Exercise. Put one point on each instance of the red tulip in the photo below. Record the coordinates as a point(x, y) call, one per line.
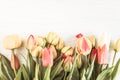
point(31, 42)
point(47, 57)
point(93, 53)
point(14, 62)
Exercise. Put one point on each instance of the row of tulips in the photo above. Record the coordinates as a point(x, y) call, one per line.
point(48, 58)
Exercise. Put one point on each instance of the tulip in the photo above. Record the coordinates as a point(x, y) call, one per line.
point(103, 47)
point(47, 57)
point(83, 45)
point(40, 41)
point(93, 53)
point(67, 50)
point(60, 44)
point(117, 46)
point(52, 38)
point(117, 49)
point(54, 52)
point(12, 41)
point(31, 43)
point(92, 39)
point(68, 63)
point(55, 40)
point(37, 51)
point(14, 62)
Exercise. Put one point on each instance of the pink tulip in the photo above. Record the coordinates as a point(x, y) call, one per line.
point(47, 57)
point(102, 55)
point(14, 62)
point(31, 42)
point(103, 47)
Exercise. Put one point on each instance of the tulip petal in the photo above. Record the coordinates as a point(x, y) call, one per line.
point(85, 46)
point(79, 35)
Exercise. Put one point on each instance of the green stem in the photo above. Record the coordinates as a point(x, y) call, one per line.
point(14, 62)
point(65, 75)
point(114, 58)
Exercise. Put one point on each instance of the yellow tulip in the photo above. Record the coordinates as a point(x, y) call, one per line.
point(67, 50)
point(12, 41)
point(117, 46)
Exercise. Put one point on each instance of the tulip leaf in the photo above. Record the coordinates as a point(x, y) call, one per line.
point(82, 74)
point(25, 73)
point(75, 75)
point(19, 74)
point(116, 71)
point(31, 65)
point(90, 69)
point(59, 76)
point(56, 70)
point(2, 75)
point(6, 62)
point(47, 73)
point(104, 74)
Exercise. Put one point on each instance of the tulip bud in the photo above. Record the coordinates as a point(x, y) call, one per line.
point(92, 39)
point(12, 41)
point(83, 46)
point(55, 40)
point(50, 37)
point(40, 41)
point(54, 52)
point(117, 46)
point(37, 51)
point(31, 42)
point(14, 62)
point(60, 44)
point(47, 57)
point(68, 63)
point(78, 61)
point(67, 50)
point(93, 53)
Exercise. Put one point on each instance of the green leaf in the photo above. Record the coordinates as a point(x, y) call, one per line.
point(59, 76)
point(47, 73)
point(56, 70)
point(30, 65)
point(75, 75)
point(19, 74)
point(82, 74)
point(104, 74)
point(2, 75)
point(25, 73)
point(90, 69)
point(116, 71)
point(6, 62)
